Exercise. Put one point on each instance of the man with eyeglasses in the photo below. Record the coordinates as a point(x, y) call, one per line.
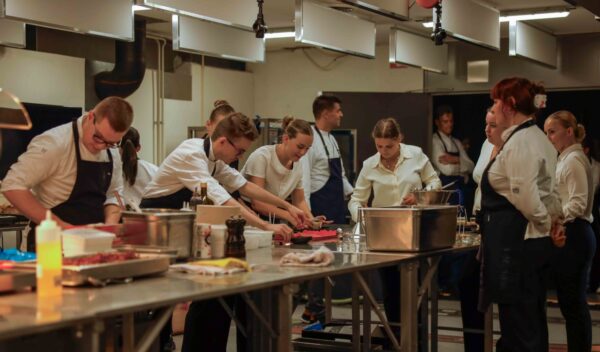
point(73, 169)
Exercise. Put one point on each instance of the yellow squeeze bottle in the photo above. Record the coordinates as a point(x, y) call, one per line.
point(49, 258)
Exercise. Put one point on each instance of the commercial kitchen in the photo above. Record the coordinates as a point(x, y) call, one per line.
point(299, 175)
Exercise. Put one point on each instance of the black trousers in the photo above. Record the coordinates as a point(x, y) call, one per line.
point(207, 326)
point(468, 289)
point(523, 324)
point(571, 269)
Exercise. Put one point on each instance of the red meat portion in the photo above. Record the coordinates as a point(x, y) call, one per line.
point(100, 258)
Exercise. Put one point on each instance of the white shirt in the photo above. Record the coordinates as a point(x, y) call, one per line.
point(524, 173)
point(412, 170)
point(484, 159)
point(49, 167)
point(574, 181)
point(279, 180)
point(188, 166)
point(595, 174)
point(145, 173)
point(316, 165)
point(465, 165)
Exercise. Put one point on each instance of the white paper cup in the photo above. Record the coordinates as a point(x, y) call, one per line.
point(218, 237)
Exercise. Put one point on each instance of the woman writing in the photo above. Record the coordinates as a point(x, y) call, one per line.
point(578, 244)
point(391, 174)
point(137, 173)
point(519, 203)
point(276, 169)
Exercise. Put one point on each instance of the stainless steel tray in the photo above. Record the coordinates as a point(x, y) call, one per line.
point(14, 280)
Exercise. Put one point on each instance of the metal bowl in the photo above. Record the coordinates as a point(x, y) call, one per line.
point(432, 197)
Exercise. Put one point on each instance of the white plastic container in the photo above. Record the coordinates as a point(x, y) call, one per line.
point(266, 237)
point(81, 241)
point(252, 241)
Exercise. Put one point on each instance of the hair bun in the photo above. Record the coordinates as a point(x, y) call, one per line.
point(220, 102)
point(287, 120)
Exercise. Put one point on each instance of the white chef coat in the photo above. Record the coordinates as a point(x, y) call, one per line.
point(145, 173)
point(279, 180)
point(525, 173)
point(574, 181)
point(412, 170)
point(316, 165)
point(465, 165)
point(49, 167)
point(188, 166)
point(484, 159)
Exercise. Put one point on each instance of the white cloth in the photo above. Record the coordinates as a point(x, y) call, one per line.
point(574, 181)
point(145, 173)
point(412, 170)
point(316, 165)
point(188, 166)
point(484, 159)
point(465, 165)
point(321, 257)
point(279, 180)
point(525, 173)
point(49, 167)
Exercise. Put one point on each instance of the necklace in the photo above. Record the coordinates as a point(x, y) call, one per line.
point(390, 163)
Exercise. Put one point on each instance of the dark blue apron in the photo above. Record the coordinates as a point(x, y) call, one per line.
point(175, 200)
point(457, 199)
point(329, 200)
point(502, 241)
point(85, 204)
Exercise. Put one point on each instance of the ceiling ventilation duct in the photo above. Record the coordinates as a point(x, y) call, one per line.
point(130, 66)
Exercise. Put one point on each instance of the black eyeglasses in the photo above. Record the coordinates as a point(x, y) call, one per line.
point(98, 138)
point(238, 151)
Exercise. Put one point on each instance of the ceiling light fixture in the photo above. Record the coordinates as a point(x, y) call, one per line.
point(527, 17)
point(140, 8)
point(278, 35)
point(259, 26)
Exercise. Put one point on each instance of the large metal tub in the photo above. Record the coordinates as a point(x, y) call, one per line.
point(409, 229)
point(161, 227)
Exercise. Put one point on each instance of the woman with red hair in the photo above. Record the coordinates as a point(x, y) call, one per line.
point(519, 205)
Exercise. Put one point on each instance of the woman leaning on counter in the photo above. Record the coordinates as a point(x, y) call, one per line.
point(572, 262)
point(137, 173)
point(391, 174)
point(276, 169)
point(519, 205)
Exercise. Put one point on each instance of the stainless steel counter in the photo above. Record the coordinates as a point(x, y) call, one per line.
point(22, 314)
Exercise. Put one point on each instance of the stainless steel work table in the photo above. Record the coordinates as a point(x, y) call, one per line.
point(87, 309)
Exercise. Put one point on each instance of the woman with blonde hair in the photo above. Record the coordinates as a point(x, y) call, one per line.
point(577, 243)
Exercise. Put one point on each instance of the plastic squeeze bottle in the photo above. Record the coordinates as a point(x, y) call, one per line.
point(49, 257)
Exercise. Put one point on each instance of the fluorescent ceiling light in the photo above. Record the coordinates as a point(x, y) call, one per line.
point(140, 8)
point(279, 35)
point(533, 16)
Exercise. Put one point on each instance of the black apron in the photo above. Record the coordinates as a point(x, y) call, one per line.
point(329, 200)
point(175, 200)
point(458, 180)
point(502, 243)
point(85, 204)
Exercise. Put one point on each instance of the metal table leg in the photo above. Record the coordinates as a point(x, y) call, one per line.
point(128, 331)
point(355, 317)
point(488, 327)
point(366, 322)
point(433, 294)
point(408, 301)
point(283, 342)
point(327, 293)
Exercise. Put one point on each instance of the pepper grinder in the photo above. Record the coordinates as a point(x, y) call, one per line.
point(236, 243)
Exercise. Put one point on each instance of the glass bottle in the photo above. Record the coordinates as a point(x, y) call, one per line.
point(204, 199)
point(195, 200)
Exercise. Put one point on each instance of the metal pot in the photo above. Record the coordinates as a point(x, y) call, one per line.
point(439, 197)
point(169, 228)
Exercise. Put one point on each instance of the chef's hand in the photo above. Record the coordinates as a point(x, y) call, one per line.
point(280, 230)
point(298, 215)
point(558, 235)
point(410, 199)
point(448, 159)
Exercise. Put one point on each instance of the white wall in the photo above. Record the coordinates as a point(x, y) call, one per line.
point(43, 78)
point(288, 81)
point(143, 104)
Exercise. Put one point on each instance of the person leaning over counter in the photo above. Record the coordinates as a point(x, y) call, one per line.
point(520, 207)
point(205, 160)
point(277, 169)
point(573, 259)
point(73, 170)
point(391, 174)
point(325, 182)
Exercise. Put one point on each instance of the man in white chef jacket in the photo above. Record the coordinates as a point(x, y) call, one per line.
point(74, 170)
point(324, 180)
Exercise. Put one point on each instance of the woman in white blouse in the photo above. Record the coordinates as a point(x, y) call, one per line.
point(519, 204)
point(137, 173)
point(489, 149)
point(577, 244)
point(276, 169)
point(391, 174)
